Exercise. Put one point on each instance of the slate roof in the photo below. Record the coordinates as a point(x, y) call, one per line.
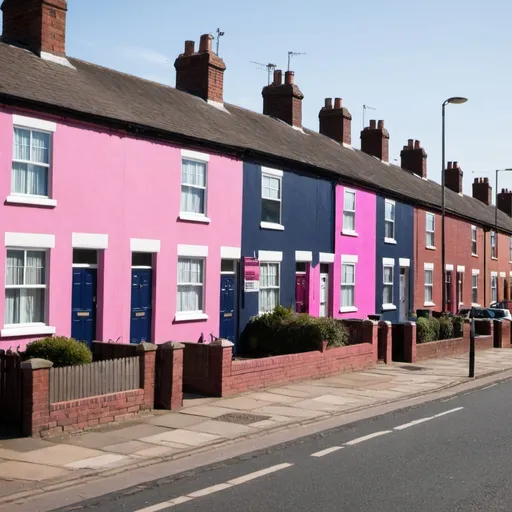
point(102, 95)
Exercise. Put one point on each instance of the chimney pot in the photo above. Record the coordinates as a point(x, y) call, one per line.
point(414, 158)
point(381, 125)
point(336, 123)
point(417, 144)
point(38, 25)
point(455, 164)
point(189, 47)
point(486, 180)
point(410, 143)
point(205, 45)
point(289, 77)
point(375, 141)
point(328, 103)
point(278, 77)
point(338, 103)
point(373, 124)
point(202, 73)
point(450, 164)
point(453, 177)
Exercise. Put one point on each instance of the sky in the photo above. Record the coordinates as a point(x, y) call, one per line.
point(402, 58)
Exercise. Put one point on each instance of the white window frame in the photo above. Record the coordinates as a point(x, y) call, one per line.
point(460, 286)
point(274, 174)
point(428, 232)
point(474, 241)
point(201, 158)
point(494, 287)
point(186, 316)
point(390, 240)
point(387, 306)
point(348, 308)
point(473, 288)
point(278, 287)
point(494, 254)
point(40, 126)
point(32, 328)
point(428, 286)
point(346, 230)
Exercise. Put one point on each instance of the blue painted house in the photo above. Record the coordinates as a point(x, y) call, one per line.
point(287, 224)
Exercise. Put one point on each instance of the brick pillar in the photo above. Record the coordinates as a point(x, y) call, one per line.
point(385, 342)
point(169, 376)
point(147, 358)
point(370, 334)
point(36, 396)
point(505, 334)
point(410, 342)
point(221, 357)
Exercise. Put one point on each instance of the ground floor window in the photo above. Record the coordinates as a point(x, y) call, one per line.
point(474, 288)
point(348, 283)
point(25, 287)
point(429, 286)
point(388, 278)
point(494, 288)
point(190, 285)
point(269, 286)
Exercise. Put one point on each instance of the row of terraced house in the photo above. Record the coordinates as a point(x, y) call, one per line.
point(137, 211)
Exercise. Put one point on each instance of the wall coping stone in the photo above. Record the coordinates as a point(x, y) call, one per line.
point(146, 347)
point(172, 345)
point(36, 364)
point(222, 343)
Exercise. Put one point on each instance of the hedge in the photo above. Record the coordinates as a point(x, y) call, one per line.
point(436, 329)
point(61, 351)
point(284, 332)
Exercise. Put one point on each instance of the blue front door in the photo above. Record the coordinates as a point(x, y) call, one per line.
point(140, 325)
point(227, 308)
point(83, 318)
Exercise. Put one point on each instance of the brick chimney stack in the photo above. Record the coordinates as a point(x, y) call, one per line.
point(414, 158)
point(482, 190)
point(38, 25)
point(336, 123)
point(375, 140)
point(283, 101)
point(453, 177)
point(505, 201)
point(201, 73)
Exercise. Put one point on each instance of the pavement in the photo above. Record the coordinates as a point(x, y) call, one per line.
point(29, 467)
point(445, 456)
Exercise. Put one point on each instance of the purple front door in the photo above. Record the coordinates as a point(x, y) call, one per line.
point(301, 293)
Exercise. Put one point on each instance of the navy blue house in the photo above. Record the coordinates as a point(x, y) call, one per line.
point(394, 273)
point(288, 224)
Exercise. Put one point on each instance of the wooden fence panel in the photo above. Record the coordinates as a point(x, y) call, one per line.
point(11, 388)
point(100, 378)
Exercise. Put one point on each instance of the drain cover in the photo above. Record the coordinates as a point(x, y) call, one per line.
point(241, 418)
point(413, 368)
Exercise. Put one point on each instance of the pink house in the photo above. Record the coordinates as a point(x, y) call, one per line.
point(355, 253)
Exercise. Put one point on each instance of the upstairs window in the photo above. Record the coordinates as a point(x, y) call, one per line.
point(430, 230)
point(271, 198)
point(31, 162)
point(349, 211)
point(473, 241)
point(493, 244)
point(389, 220)
point(193, 187)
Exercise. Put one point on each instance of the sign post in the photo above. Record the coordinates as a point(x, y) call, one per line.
point(472, 344)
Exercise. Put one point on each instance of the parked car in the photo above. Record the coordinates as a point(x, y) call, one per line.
point(504, 304)
point(478, 312)
point(502, 313)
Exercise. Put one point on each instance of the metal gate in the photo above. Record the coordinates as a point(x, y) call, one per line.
point(10, 389)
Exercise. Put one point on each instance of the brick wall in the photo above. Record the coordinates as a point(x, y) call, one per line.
point(40, 417)
point(210, 369)
point(458, 254)
point(501, 265)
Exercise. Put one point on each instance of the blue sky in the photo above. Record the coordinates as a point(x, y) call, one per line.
point(401, 59)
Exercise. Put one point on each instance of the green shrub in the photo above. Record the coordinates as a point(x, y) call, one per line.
point(423, 330)
point(435, 326)
point(61, 351)
point(284, 332)
point(458, 326)
point(445, 328)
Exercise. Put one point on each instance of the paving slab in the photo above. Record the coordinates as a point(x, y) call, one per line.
point(312, 405)
point(208, 411)
point(157, 451)
point(222, 428)
point(107, 460)
point(297, 393)
point(292, 412)
point(336, 400)
point(14, 470)
point(244, 403)
point(60, 455)
point(173, 420)
point(182, 437)
point(270, 397)
point(24, 444)
point(127, 447)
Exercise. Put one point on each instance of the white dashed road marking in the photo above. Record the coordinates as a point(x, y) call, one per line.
point(215, 488)
point(327, 451)
point(448, 412)
point(366, 438)
point(413, 423)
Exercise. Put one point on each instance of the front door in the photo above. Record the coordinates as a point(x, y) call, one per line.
point(83, 316)
point(140, 324)
point(227, 324)
point(324, 294)
point(301, 293)
point(404, 294)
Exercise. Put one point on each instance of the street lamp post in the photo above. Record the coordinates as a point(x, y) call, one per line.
point(456, 100)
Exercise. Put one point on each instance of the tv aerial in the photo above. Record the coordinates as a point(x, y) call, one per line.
point(365, 108)
point(269, 67)
point(291, 55)
point(219, 34)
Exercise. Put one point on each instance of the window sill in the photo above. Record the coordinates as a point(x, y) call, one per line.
point(388, 307)
point(190, 317)
point(192, 217)
point(474, 255)
point(474, 305)
point(348, 232)
point(348, 309)
point(31, 201)
point(428, 304)
point(494, 258)
point(271, 225)
point(26, 330)
point(390, 241)
point(430, 247)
